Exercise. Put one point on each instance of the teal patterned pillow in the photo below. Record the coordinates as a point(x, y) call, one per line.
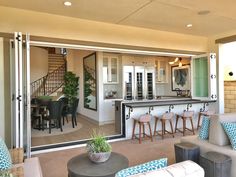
point(146, 167)
point(204, 131)
point(5, 158)
point(230, 130)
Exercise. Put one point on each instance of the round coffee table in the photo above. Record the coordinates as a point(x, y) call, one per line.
point(81, 166)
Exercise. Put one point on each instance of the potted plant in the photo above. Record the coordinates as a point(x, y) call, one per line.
point(71, 86)
point(6, 173)
point(99, 150)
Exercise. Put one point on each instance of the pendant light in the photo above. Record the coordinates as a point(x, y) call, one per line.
point(173, 62)
point(180, 63)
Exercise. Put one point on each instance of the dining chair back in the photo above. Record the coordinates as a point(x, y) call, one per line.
point(73, 112)
point(55, 110)
point(65, 109)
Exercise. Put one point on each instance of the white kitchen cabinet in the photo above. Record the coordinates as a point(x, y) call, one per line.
point(108, 112)
point(161, 71)
point(110, 68)
point(135, 60)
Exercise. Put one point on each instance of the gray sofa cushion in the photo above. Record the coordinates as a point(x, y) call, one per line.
point(217, 134)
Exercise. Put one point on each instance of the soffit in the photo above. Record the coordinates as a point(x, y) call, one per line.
point(167, 15)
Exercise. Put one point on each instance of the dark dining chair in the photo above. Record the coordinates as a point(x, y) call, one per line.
point(54, 117)
point(65, 109)
point(73, 111)
point(36, 116)
point(70, 109)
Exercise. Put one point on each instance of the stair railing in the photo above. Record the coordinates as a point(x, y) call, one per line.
point(50, 83)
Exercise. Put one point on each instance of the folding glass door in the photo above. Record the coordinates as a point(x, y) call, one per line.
point(203, 71)
point(20, 91)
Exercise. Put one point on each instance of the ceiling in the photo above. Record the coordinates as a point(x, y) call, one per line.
point(166, 15)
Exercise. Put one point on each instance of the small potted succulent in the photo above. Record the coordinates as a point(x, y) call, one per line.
point(6, 173)
point(99, 150)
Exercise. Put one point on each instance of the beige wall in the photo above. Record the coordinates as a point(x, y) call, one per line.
point(2, 115)
point(70, 60)
point(78, 29)
point(38, 63)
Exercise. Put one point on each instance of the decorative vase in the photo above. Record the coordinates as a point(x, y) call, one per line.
point(99, 157)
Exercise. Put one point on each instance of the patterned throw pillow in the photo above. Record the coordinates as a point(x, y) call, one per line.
point(146, 167)
point(230, 130)
point(5, 158)
point(204, 131)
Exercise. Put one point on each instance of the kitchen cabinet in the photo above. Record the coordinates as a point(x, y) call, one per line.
point(134, 60)
point(110, 68)
point(108, 111)
point(161, 71)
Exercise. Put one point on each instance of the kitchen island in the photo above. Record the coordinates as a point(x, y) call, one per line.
point(125, 110)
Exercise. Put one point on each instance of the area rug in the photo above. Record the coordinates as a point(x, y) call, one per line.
point(67, 128)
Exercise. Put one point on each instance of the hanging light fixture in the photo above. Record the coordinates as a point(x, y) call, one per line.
point(173, 62)
point(180, 63)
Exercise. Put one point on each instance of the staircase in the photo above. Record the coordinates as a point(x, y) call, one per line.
point(54, 80)
point(55, 61)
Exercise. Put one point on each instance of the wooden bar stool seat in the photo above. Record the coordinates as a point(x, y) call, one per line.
point(187, 115)
point(205, 113)
point(165, 117)
point(142, 120)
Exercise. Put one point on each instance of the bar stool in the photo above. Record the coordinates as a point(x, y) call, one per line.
point(142, 120)
point(165, 117)
point(187, 115)
point(204, 113)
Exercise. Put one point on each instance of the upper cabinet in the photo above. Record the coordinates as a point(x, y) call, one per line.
point(135, 60)
point(110, 68)
point(161, 70)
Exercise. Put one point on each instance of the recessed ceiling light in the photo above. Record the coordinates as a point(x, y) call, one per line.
point(189, 25)
point(203, 12)
point(67, 3)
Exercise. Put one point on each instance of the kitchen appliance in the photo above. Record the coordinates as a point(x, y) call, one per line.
point(138, 82)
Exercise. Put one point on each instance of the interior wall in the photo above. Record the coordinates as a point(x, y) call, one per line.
point(70, 60)
point(78, 69)
point(2, 117)
point(79, 29)
point(38, 63)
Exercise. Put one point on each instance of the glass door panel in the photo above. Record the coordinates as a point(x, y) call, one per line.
point(149, 85)
point(114, 72)
point(20, 84)
point(200, 77)
point(203, 70)
point(105, 70)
